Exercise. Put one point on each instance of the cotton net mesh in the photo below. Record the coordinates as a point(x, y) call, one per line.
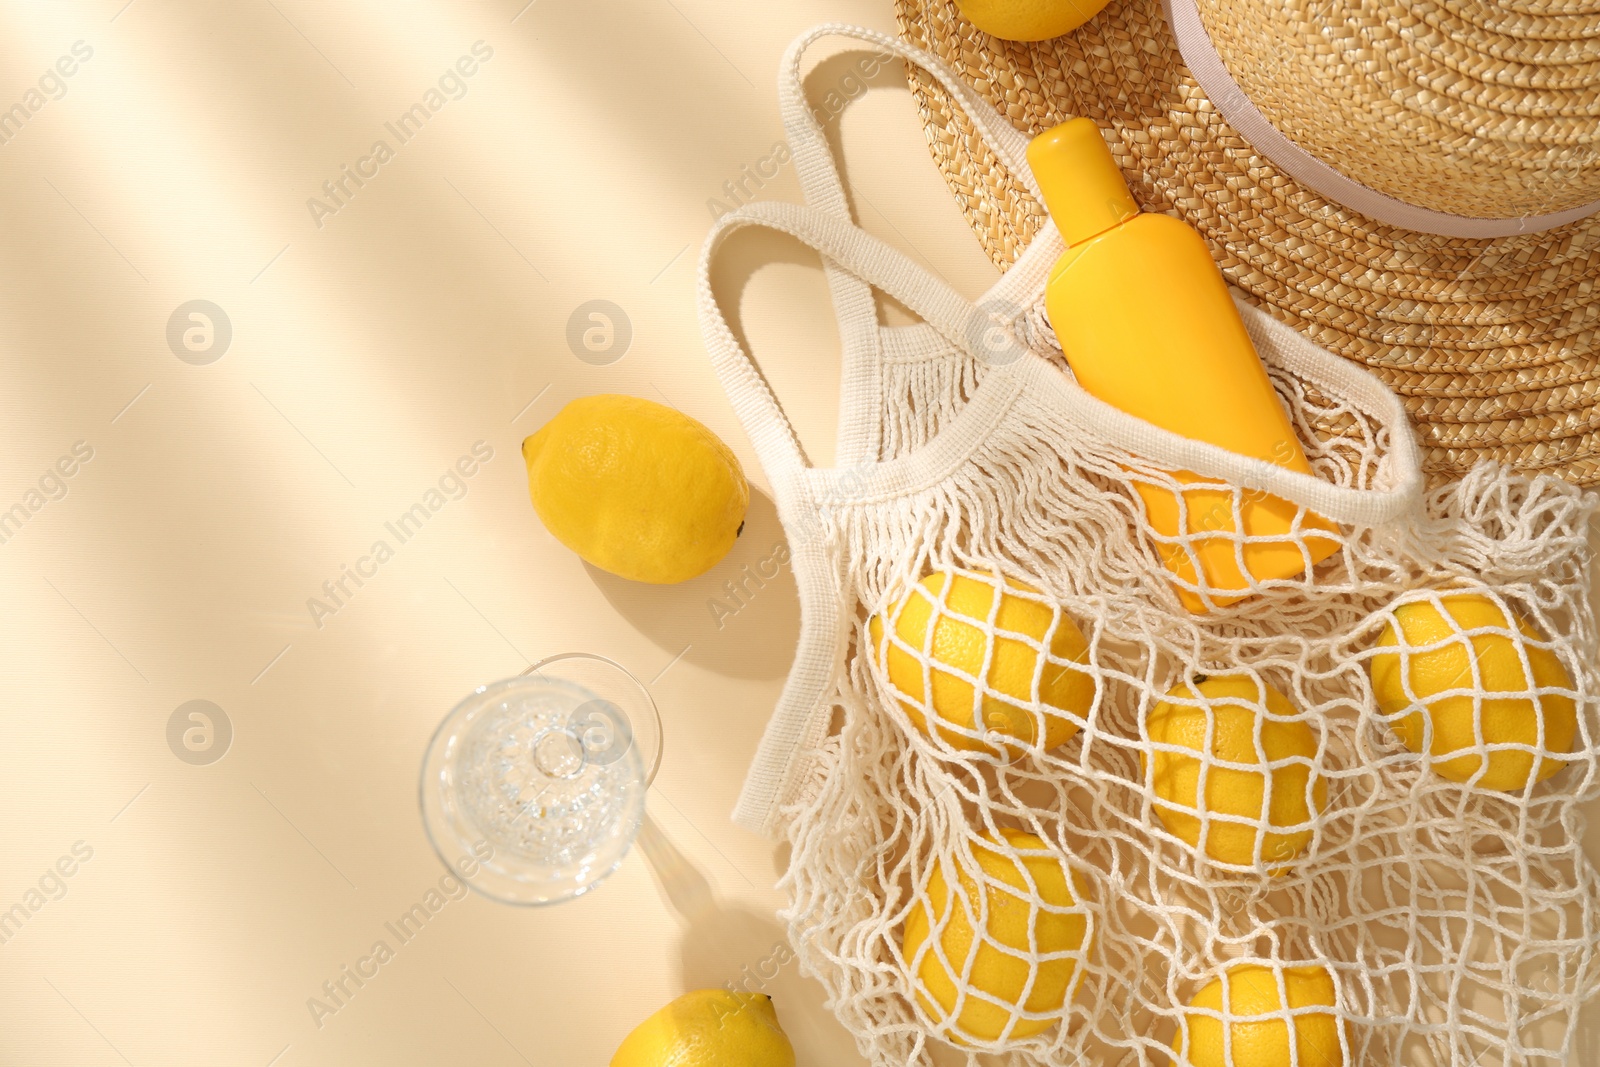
point(1327, 894)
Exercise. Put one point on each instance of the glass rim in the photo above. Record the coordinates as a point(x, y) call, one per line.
point(649, 702)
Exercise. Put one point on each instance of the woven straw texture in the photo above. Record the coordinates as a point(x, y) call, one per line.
point(1492, 343)
point(1506, 102)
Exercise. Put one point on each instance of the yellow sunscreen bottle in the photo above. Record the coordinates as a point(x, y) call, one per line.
point(1144, 317)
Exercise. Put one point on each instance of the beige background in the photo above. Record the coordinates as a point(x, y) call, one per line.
point(367, 354)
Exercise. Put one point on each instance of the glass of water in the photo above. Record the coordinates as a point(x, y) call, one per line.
point(539, 781)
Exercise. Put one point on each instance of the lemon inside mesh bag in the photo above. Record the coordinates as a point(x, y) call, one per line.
point(1472, 688)
point(1231, 766)
point(990, 660)
point(993, 954)
point(1239, 1019)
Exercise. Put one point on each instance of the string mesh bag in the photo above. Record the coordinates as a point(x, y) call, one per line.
point(1054, 799)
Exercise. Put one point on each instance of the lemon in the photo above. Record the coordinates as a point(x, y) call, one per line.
point(636, 488)
point(1232, 706)
point(1511, 719)
point(1263, 1042)
point(999, 963)
point(709, 1028)
point(1029, 20)
point(961, 645)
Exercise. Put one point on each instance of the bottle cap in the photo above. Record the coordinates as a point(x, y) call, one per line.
point(1083, 189)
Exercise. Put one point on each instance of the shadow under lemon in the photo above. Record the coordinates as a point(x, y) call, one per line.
point(728, 947)
point(740, 619)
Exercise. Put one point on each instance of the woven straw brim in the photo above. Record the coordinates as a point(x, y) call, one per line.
point(1491, 343)
point(1469, 109)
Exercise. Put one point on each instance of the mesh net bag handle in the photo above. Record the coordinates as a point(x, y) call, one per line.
point(1397, 484)
point(822, 185)
point(819, 177)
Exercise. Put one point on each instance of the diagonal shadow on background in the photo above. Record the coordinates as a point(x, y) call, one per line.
point(729, 947)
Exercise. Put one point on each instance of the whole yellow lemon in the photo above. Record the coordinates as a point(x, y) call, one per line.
point(999, 963)
point(958, 604)
point(1029, 20)
point(709, 1028)
point(1264, 1041)
point(1231, 707)
point(1513, 718)
point(636, 488)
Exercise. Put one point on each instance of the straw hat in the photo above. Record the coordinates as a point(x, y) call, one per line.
point(1412, 184)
